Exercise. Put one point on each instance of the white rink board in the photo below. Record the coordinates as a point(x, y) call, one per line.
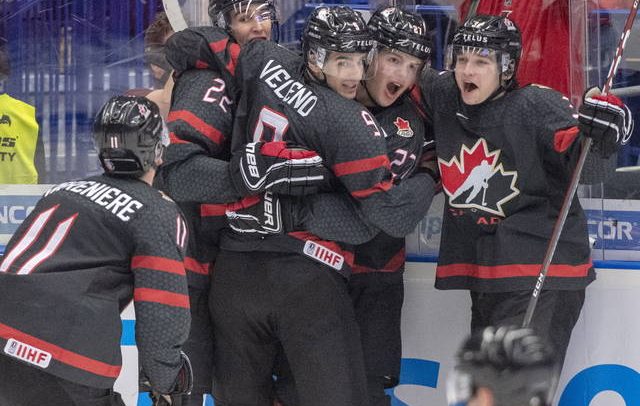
point(602, 362)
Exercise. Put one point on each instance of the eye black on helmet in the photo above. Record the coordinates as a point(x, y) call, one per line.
point(130, 135)
point(397, 29)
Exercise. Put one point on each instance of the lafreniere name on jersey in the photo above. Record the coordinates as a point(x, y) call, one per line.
point(27, 353)
point(107, 196)
point(290, 91)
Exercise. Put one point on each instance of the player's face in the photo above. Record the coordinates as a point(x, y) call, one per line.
point(343, 72)
point(254, 22)
point(477, 76)
point(394, 73)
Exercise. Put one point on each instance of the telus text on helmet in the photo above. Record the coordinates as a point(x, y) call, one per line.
point(288, 90)
point(475, 38)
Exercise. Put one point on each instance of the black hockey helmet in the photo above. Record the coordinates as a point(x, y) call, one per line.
point(397, 29)
point(513, 362)
point(484, 33)
point(336, 29)
point(221, 12)
point(130, 135)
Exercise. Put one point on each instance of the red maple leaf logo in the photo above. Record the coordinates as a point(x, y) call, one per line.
point(402, 124)
point(455, 172)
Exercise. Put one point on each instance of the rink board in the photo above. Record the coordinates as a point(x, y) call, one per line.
point(603, 361)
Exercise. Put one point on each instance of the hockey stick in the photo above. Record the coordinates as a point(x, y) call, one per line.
point(573, 185)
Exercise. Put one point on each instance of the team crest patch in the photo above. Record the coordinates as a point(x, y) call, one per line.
point(27, 353)
point(323, 254)
point(477, 179)
point(404, 127)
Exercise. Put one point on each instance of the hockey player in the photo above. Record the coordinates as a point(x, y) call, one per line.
point(196, 170)
point(263, 282)
point(495, 232)
point(88, 248)
point(503, 366)
point(376, 285)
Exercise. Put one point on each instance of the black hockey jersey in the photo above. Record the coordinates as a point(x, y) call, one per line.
point(405, 139)
point(88, 248)
point(195, 172)
point(505, 166)
point(277, 103)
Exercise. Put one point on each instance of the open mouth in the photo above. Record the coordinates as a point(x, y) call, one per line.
point(469, 87)
point(393, 88)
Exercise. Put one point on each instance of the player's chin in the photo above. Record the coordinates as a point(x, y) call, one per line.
point(348, 90)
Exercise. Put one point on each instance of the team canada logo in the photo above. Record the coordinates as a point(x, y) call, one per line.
point(404, 127)
point(478, 180)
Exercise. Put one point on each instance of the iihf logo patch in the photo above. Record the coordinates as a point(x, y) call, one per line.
point(323, 254)
point(27, 353)
point(478, 180)
point(404, 127)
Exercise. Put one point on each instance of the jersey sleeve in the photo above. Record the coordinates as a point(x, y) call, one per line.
point(358, 158)
point(161, 299)
point(560, 137)
point(200, 121)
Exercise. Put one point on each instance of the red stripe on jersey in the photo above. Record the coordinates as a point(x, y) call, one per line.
point(158, 264)
point(361, 165)
point(511, 271)
point(380, 187)
point(305, 235)
point(213, 210)
point(416, 98)
point(196, 267)
point(245, 202)
point(61, 355)
point(218, 46)
point(201, 64)
point(563, 139)
point(161, 296)
point(173, 139)
point(197, 123)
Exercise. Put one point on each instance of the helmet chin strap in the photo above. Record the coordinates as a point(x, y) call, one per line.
point(366, 89)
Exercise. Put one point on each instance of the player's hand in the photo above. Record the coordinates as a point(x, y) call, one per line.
point(182, 386)
point(606, 120)
point(257, 215)
point(279, 168)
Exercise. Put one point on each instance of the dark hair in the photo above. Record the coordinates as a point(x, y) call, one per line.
point(158, 30)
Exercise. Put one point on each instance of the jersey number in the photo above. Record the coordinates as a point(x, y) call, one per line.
point(271, 126)
point(31, 235)
point(217, 88)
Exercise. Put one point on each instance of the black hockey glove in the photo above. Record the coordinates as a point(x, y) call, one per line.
point(261, 215)
point(606, 120)
point(279, 168)
point(429, 164)
point(182, 386)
